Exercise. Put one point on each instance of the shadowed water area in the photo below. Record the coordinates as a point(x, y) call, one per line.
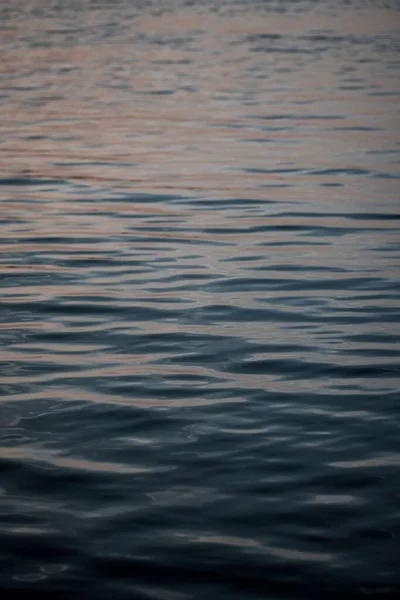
point(199, 299)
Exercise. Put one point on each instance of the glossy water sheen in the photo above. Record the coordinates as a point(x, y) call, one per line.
point(199, 311)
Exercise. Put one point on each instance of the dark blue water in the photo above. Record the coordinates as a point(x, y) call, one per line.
point(199, 305)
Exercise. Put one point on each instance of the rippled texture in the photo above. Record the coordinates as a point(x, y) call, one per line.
point(199, 310)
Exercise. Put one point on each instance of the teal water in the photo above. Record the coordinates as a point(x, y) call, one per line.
point(199, 304)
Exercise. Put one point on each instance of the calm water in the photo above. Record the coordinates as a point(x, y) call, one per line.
point(199, 310)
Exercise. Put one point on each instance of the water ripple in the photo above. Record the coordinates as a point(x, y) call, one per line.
point(199, 266)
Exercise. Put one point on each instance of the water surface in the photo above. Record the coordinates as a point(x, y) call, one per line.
point(199, 309)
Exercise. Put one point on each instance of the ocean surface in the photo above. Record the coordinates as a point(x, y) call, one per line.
point(200, 299)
